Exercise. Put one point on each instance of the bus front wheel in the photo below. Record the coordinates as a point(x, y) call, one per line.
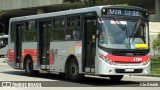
point(115, 78)
point(73, 70)
point(29, 67)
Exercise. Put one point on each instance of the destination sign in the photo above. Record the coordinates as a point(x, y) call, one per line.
point(123, 12)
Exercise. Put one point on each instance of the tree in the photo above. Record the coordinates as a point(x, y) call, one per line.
point(156, 43)
point(72, 1)
point(1, 19)
point(96, 2)
point(87, 2)
point(92, 2)
point(1, 13)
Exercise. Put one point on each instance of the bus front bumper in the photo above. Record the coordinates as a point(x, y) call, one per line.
point(103, 68)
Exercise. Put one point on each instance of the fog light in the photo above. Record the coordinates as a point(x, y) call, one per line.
point(110, 71)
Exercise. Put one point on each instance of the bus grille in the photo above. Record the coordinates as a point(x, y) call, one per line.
point(128, 63)
point(123, 71)
point(128, 53)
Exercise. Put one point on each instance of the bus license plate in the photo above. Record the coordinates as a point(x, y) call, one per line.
point(129, 70)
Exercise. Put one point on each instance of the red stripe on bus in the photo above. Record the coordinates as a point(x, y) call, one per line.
point(51, 57)
point(11, 55)
point(128, 58)
point(32, 52)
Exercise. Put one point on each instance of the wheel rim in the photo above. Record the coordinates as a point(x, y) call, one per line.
point(74, 70)
point(30, 66)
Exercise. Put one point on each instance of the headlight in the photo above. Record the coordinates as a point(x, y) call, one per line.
point(146, 62)
point(106, 59)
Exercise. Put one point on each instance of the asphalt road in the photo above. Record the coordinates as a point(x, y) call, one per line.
point(89, 82)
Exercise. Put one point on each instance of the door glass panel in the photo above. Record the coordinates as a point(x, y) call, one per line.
point(18, 43)
point(46, 35)
point(90, 41)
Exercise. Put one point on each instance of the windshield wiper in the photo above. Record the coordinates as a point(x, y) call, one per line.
point(123, 28)
point(119, 24)
point(135, 30)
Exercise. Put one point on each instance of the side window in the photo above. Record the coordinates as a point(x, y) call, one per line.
point(73, 31)
point(12, 32)
point(58, 32)
point(30, 33)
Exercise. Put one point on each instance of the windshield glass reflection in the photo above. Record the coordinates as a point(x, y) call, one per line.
point(119, 34)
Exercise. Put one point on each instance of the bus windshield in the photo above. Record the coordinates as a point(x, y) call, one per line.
point(121, 34)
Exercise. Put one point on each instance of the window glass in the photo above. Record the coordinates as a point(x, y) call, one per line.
point(12, 33)
point(73, 21)
point(59, 22)
point(58, 33)
point(66, 28)
point(73, 28)
point(30, 33)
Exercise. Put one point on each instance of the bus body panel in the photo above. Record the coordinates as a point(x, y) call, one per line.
point(11, 54)
point(28, 48)
point(61, 51)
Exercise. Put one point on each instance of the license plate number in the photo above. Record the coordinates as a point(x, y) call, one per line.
point(129, 70)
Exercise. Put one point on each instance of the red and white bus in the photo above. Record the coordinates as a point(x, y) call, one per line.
point(103, 40)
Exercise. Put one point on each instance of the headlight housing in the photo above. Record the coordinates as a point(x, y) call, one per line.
point(106, 59)
point(146, 62)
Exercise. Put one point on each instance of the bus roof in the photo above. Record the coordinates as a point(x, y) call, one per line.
point(73, 11)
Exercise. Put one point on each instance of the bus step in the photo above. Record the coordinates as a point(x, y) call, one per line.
point(43, 71)
point(88, 69)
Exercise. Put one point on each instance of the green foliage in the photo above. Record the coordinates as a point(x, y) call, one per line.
point(87, 2)
point(155, 63)
point(95, 2)
point(156, 43)
point(1, 13)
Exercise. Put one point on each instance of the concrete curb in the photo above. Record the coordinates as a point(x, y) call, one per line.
point(152, 75)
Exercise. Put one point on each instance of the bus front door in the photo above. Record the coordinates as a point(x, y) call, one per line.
point(18, 44)
point(90, 43)
point(44, 44)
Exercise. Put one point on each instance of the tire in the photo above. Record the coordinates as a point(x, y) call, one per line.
point(115, 78)
point(73, 71)
point(29, 67)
